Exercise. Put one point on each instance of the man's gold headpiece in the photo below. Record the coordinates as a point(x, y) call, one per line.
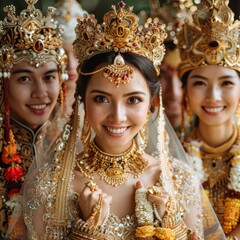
point(212, 39)
point(119, 32)
point(30, 37)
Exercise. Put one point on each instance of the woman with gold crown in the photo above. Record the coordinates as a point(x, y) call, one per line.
point(210, 72)
point(103, 185)
point(32, 69)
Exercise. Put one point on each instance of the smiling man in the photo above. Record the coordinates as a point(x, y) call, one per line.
point(32, 70)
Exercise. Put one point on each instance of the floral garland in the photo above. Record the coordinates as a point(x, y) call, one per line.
point(145, 212)
point(12, 159)
point(158, 232)
point(232, 205)
point(232, 202)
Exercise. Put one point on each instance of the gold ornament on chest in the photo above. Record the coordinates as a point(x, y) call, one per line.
point(217, 166)
point(113, 169)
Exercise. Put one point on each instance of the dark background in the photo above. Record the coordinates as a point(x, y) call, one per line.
point(99, 7)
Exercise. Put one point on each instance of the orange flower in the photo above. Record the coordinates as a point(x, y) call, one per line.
point(16, 158)
point(145, 231)
point(164, 233)
point(156, 101)
point(13, 173)
point(10, 155)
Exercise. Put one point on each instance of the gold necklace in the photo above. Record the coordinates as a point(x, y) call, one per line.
point(113, 169)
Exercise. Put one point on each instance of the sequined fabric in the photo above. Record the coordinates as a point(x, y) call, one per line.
point(124, 228)
point(26, 142)
point(216, 164)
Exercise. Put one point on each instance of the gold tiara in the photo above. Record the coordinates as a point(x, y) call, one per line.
point(119, 32)
point(211, 39)
point(30, 37)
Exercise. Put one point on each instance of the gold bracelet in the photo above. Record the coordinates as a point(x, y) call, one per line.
point(82, 229)
point(143, 208)
point(94, 219)
point(156, 214)
point(172, 215)
point(107, 217)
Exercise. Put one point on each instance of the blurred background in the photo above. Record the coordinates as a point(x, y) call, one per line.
point(99, 7)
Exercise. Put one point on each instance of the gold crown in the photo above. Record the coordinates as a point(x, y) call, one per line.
point(173, 13)
point(212, 39)
point(119, 32)
point(30, 37)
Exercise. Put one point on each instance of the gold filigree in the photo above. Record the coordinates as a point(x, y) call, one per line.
point(119, 32)
point(113, 169)
point(118, 72)
point(211, 39)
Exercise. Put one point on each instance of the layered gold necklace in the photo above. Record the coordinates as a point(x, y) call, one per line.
point(113, 169)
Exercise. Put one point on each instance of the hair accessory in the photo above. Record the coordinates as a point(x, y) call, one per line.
point(119, 32)
point(118, 72)
point(30, 37)
point(211, 39)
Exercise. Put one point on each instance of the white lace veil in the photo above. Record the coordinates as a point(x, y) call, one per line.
point(39, 183)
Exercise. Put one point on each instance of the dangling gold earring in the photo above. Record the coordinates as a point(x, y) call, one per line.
point(62, 94)
point(189, 110)
point(186, 108)
point(86, 132)
point(141, 138)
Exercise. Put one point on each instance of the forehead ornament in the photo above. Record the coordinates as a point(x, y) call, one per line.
point(120, 33)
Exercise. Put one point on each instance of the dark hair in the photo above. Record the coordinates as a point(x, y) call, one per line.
point(170, 45)
point(184, 78)
point(144, 65)
point(186, 74)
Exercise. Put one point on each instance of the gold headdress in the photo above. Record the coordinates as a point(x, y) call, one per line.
point(67, 13)
point(173, 13)
point(119, 32)
point(30, 37)
point(212, 38)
